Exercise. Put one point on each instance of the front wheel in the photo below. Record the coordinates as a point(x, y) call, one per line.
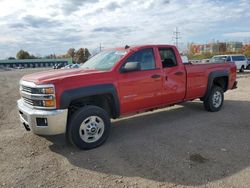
point(88, 127)
point(214, 101)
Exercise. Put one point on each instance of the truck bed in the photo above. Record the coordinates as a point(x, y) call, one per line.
point(198, 74)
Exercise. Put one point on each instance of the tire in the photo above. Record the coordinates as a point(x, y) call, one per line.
point(242, 69)
point(88, 127)
point(214, 101)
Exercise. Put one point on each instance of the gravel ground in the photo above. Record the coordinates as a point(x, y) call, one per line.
point(180, 146)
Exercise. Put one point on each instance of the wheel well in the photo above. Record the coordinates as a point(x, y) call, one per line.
point(105, 101)
point(221, 82)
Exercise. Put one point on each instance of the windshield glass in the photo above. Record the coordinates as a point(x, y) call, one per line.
point(103, 60)
point(219, 59)
point(239, 58)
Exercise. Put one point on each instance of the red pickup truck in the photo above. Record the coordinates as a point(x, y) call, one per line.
point(114, 83)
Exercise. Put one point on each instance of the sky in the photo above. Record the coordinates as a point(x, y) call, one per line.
point(43, 27)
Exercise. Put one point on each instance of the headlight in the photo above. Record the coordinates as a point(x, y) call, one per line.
point(46, 90)
point(49, 90)
point(38, 96)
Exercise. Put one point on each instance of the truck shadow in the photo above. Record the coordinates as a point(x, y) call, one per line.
point(183, 145)
point(245, 73)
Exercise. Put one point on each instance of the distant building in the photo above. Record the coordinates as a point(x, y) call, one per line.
point(246, 49)
point(234, 47)
point(216, 48)
point(32, 63)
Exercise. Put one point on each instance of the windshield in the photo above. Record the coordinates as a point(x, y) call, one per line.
point(239, 58)
point(218, 59)
point(103, 60)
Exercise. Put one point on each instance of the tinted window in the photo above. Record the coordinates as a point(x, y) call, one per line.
point(145, 57)
point(168, 58)
point(228, 58)
point(239, 58)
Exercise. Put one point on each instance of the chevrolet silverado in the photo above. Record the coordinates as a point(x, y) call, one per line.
point(115, 83)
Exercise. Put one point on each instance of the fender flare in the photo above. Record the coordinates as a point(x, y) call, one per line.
point(72, 94)
point(211, 77)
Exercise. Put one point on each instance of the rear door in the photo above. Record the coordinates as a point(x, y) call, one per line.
point(142, 89)
point(174, 82)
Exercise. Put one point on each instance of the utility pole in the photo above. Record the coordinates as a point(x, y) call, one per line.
point(176, 36)
point(100, 47)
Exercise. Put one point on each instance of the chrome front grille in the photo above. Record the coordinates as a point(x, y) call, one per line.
point(28, 101)
point(32, 96)
point(26, 92)
point(26, 89)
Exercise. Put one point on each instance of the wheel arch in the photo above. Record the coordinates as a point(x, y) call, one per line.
point(104, 95)
point(218, 78)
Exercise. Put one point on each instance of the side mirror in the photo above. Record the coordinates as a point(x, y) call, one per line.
point(131, 66)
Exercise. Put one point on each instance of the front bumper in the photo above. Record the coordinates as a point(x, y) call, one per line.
point(43, 122)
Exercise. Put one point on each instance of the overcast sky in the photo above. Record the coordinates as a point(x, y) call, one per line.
point(43, 27)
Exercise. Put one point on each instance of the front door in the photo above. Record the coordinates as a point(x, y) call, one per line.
point(141, 89)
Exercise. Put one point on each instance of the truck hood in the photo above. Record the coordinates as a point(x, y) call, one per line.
point(57, 75)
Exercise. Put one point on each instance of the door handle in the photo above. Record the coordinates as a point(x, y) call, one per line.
point(155, 76)
point(179, 73)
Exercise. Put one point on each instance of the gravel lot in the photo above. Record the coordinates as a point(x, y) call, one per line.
point(179, 146)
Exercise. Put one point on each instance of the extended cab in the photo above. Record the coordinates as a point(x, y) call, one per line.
point(115, 83)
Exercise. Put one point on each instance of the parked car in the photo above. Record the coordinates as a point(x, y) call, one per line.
point(248, 62)
point(116, 83)
point(71, 66)
point(239, 60)
point(195, 61)
point(184, 59)
point(205, 60)
point(66, 67)
point(58, 66)
point(20, 67)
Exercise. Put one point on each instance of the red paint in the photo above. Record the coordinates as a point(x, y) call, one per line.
point(137, 90)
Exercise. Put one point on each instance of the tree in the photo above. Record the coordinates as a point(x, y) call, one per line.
point(86, 54)
point(23, 55)
point(71, 53)
point(50, 56)
point(33, 57)
point(246, 50)
point(80, 56)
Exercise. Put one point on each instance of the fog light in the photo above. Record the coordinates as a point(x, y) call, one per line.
point(41, 122)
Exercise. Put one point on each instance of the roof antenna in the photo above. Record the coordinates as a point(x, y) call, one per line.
point(126, 47)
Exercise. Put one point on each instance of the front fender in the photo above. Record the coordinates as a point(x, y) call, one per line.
point(70, 95)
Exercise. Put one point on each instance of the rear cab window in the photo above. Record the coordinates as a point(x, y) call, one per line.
point(168, 58)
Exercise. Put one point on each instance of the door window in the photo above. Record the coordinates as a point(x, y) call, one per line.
point(145, 57)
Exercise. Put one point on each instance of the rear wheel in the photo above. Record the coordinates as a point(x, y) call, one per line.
point(241, 69)
point(214, 101)
point(88, 127)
